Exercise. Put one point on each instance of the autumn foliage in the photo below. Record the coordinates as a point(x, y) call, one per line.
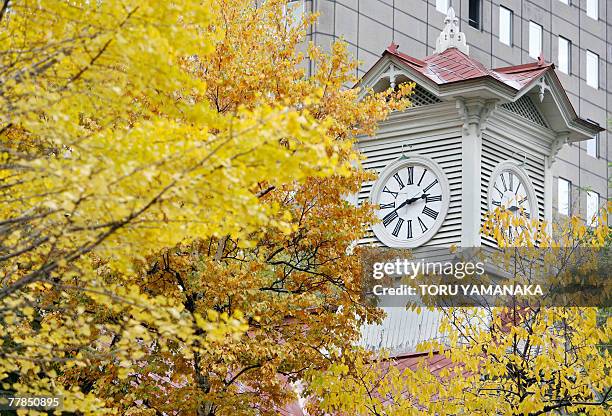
point(173, 215)
point(175, 236)
point(523, 358)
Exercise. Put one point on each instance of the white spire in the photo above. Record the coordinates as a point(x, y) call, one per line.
point(450, 36)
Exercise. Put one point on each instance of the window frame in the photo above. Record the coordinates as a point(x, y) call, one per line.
point(568, 203)
point(440, 3)
point(510, 25)
point(477, 24)
point(592, 219)
point(595, 141)
point(592, 9)
point(594, 83)
point(533, 24)
point(568, 55)
point(296, 9)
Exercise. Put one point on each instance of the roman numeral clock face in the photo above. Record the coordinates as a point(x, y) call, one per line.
point(510, 189)
point(511, 192)
point(412, 195)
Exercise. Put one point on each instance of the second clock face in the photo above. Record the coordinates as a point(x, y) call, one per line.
point(511, 192)
point(412, 198)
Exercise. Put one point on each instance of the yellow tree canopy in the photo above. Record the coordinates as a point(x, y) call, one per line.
point(173, 223)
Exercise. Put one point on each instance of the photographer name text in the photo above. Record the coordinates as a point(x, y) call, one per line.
point(456, 289)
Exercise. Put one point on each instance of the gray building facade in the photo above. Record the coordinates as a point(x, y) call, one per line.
point(573, 34)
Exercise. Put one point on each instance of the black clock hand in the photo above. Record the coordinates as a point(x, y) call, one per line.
point(406, 202)
point(416, 198)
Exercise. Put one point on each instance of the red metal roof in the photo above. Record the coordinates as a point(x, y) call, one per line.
point(452, 65)
point(435, 362)
point(291, 409)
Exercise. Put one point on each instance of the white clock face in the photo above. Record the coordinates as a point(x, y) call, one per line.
point(512, 192)
point(413, 198)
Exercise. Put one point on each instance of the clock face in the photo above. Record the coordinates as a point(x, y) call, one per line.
point(511, 190)
point(412, 195)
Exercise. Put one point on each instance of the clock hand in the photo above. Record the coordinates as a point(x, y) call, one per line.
point(407, 202)
point(416, 198)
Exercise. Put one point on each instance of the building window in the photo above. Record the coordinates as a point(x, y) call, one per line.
point(294, 11)
point(442, 6)
point(535, 40)
point(565, 48)
point(592, 147)
point(475, 11)
point(505, 25)
point(564, 189)
point(592, 9)
point(592, 69)
point(592, 208)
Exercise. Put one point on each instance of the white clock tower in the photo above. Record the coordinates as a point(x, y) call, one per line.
point(475, 138)
point(480, 137)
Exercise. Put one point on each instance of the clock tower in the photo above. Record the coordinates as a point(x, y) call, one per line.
point(473, 139)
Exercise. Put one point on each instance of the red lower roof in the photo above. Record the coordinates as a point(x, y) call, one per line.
point(435, 363)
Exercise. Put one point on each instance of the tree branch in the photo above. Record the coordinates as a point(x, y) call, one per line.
point(4, 8)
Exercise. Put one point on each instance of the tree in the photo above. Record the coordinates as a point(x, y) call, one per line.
point(517, 359)
point(174, 225)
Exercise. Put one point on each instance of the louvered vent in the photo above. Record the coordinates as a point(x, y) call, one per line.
point(402, 330)
point(423, 97)
point(525, 108)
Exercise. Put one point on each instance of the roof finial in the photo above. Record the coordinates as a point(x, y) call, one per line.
point(541, 59)
point(393, 47)
point(450, 36)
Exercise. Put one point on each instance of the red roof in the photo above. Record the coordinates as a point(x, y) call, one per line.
point(291, 409)
point(452, 65)
point(435, 363)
